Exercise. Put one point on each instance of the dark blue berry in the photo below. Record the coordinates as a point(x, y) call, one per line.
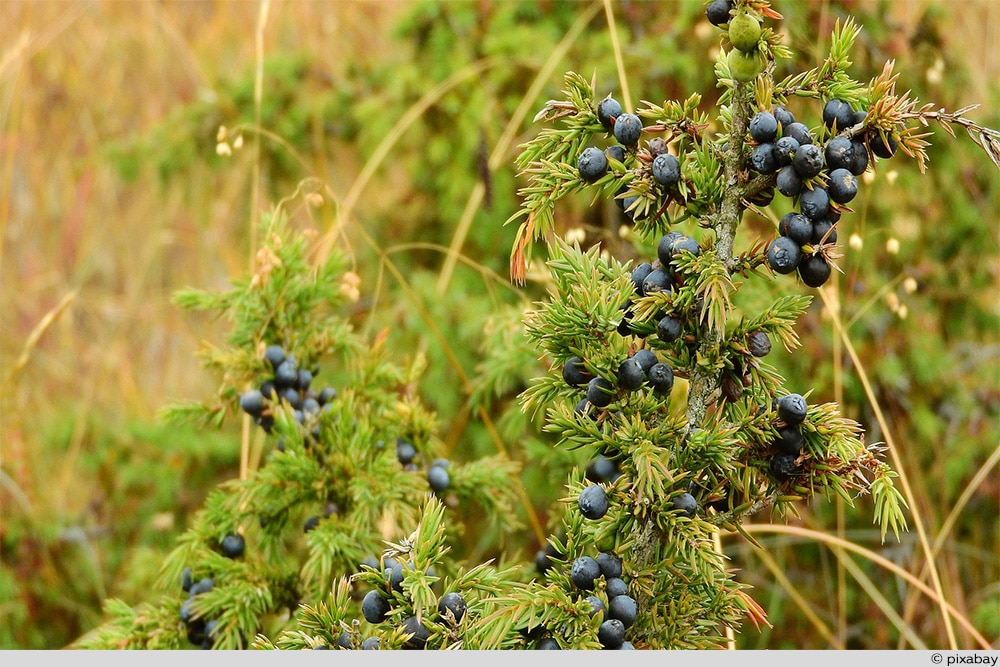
point(815, 202)
point(438, 478)
point(717, 11)
point(792, 408)
point(310, 523)
point(808, 160)
point(814, 270)
point(796, 226)
point(616, 152)
point(610, 564)
point(233, 546)
point(252, 402)
point(584, 572)
point(608, 109)
point(630, 376)
point(186, 580)
point(344, 640)
point(665, 247)
point(824, 231)
point(661, 378)
point(417, 631)
point(669, 329)
point(574, 373)
point(666, 170)
point(454, 604)
point(784, 150)
point(763, 160)
point(286, 375)
point(646, 359)
point(764, 127)
point(374, 607)
point(628, 129)
point(843, 186)
point(275, 354)
point(837, 115)
point(859, 162)
point(783, 466)
point(624, 608)
point(611, 633)
point(783, 255)
point(203, 585)
point(839, 153)
point(592, 164)
point(601, 469)
point(547, 644)
point(686, 504)
point(596, 606)
point(639, 274)
point(788, 182)
point(371, 644)
point(799, 132)
point(789, 439)
point(405, 451)
point(600, 392)
point(882, 146)
point(783, 116)
point(593, 502)
point(758, 343)
point(615, 586)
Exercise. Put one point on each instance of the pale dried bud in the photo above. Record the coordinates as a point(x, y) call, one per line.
point(910, 285)
point(855, 242)
point(223, 149)
point(892, 246)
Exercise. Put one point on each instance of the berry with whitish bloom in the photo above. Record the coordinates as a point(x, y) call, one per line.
point(233, 546)
point(600, 392)
point(783, 255)
point(665, 247)
point(764, 127)
point(763, 160)
point(630, 375)
point(454, 604)
point(883, 146)
point(611, 633)
point(717, 11)
point(596, 606)
point(839, 153)
point(838, 115)
point(584, 572)
point(624, 608)
point(574, 373)
point(417, 631)
point(792, 408)
point(592, 164)
point(686, 504)
point(824, 231)
point(615, 152)
point(601, 469)
point(593, 502)
point(661, 378)
point(658, 280)
point(547, 644)
point(815, 202)
point(799, 132)
point(615, 586)
point(371, 644)
point(666, 170)
point(252, 402)
point(668, 329)
point(808, 160)
point(656, 146)
point(610, 564)
point(405, 451)
point(438, 478)
point(286, 375)
point(628, 129)
point(758, 343)
point(374, 607)
point(639, 274)
point(275, 354)
point(783, 116)
point(814, 270)
point(646, 358)
point(796, 226)
point(784, 150)
point(788, 181)
point(843, 185)
point(344, 640)
point(608, 109)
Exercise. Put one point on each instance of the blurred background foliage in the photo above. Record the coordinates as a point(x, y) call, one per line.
point(115, 191)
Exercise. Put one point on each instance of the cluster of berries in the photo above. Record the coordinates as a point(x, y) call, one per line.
point(821, 179)
point(375, 608)
point(792, 410)
point(621, 610)
point(289, 384)
point(200, 632)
